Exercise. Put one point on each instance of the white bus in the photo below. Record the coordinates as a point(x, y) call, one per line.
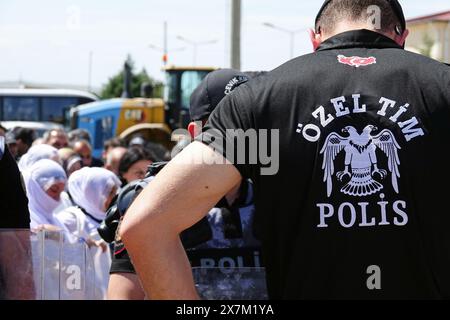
point(39, 109)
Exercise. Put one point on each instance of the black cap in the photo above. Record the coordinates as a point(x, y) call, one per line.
point(212, 90)
point(395, 5)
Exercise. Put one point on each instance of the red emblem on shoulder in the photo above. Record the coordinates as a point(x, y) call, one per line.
point(356, 61)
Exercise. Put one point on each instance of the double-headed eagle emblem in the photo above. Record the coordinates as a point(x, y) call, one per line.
point(360, 156)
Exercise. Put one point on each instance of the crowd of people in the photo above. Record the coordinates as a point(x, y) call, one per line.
point(50, 168)
point(68, 189)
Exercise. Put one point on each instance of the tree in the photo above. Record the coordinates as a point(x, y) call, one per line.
point(114, 87)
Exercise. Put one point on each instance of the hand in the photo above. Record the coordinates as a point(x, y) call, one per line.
point(99, 243)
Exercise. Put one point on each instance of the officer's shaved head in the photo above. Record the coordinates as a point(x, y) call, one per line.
point(360, 11)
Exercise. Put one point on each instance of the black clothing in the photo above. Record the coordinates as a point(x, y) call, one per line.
point(13, 202)
point(358, 206)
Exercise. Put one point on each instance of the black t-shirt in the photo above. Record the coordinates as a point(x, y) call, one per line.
point(13, 200)
point(358, 206)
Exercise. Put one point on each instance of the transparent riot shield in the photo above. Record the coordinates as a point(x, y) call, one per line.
point(49, 266)
point(231, 283)
point(46, 266)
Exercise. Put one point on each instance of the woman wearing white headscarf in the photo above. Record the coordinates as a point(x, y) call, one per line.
point(36, 153)
point(44, 181)
point(92, 190)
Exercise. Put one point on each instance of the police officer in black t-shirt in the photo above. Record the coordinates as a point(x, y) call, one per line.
point(347, 151)
point(15, 278)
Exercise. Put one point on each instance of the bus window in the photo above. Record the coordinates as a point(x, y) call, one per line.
point(54, 108)
point(189, 81)
point(20, 109)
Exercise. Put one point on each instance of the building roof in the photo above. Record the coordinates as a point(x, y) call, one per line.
point(441, 16)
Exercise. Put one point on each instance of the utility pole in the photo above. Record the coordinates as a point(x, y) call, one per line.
point(235, 34)
point(165, 58)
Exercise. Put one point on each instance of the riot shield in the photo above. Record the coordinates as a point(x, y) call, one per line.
point(49, 266)
point(234, 273)
point(46, 266)
point(230, 283)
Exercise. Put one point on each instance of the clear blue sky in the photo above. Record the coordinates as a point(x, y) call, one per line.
point(49, 41)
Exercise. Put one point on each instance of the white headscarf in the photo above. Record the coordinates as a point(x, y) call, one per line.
point(39, 178)
point(36, 153)
point(90, 187)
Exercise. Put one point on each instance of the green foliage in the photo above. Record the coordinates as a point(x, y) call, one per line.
point(114, 87)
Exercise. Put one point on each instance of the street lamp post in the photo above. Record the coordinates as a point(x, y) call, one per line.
point(165, 51)
point(291, 33)
point(195, 45)
point(165, 35)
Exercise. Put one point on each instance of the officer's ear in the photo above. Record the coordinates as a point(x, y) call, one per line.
point(194, 129)
point(316, 38)
point(401, 39)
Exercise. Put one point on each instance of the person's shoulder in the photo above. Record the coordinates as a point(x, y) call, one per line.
point(425, 69)
point(298, 62)
point(414, 61)
point(256, 87)
point(414, 56)
point(259, 89)
point(303, 67)
point(259, 86)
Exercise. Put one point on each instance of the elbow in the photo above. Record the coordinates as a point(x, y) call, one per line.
point(129, 229)
point(137, 227)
